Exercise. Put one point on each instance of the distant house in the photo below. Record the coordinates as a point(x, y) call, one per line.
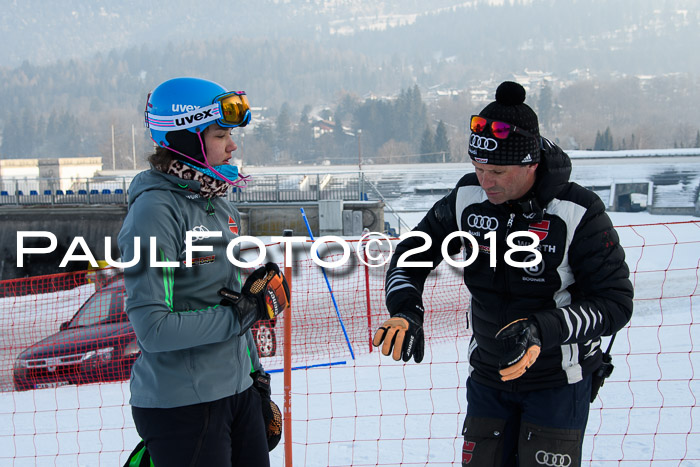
point(479, 95)
point(321, 127)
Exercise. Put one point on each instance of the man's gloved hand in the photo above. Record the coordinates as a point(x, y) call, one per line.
point(265, 295)
point(403, 333)
point(271, 413)
point(523, 338)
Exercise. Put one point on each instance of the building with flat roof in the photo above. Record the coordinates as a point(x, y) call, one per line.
point(46, 174)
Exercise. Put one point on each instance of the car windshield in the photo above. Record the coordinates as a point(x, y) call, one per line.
point(105, 306)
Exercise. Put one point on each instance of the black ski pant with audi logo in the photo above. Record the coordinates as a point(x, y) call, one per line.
point(525, 429)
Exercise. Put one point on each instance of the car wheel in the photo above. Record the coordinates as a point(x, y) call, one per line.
point(265, 339)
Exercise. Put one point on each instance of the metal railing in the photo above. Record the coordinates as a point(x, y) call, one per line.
point(42, 191)
point(388, 206)
point(268, 188)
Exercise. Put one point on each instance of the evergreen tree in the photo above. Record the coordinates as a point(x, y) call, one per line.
point(41, 130)
point(408, 117)
point(442, 143)
point(418, 117)
point(376, 119)
point(72, 136)
point(53, 127)
point(29, 141)
point(608, 140)
point(346, 108)
point(263, 132)
point(427, 146)
point(339, 135)
point(11, 139)
point(697, 139)
point(283, 127)
point(603, 141)
point(544, 106)
point(598, 145)
point(305, 113)
point(303, 137)
point(401, 128)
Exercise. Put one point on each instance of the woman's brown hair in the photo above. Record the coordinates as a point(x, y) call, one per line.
point(162, 158)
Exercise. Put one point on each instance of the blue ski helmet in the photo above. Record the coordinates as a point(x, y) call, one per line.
point(191, 105)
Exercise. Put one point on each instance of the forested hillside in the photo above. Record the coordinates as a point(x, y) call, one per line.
point(605, 74)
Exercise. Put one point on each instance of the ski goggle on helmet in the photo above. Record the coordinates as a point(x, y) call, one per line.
point(193, 104)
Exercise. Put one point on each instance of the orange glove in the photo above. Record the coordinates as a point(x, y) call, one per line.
point(277, 296)
point(524, 336)
point(265, 295)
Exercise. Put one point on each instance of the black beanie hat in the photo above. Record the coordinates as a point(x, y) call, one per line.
point(516, 149)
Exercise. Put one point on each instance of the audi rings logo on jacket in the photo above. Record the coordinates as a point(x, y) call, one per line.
point(476, 221)
point(482, 142)
point(552, 459)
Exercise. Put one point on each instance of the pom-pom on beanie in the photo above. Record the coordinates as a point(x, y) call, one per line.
point(516, 149)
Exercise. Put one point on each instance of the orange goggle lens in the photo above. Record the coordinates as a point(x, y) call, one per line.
point(235, 110)
point(478, 124)
point(500, 130)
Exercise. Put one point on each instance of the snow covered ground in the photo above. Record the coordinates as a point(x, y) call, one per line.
point(372, 411)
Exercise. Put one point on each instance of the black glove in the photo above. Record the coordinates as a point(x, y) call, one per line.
point(265, 295)
point(403, 333)
point(523, 337)
point(601, 374)
point(271, 413)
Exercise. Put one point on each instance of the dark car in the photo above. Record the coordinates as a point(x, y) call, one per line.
point(98, 344)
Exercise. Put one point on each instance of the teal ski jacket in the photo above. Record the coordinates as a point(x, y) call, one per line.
point(190, 348)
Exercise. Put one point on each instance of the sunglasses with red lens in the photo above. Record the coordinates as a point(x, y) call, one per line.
point(500, 130)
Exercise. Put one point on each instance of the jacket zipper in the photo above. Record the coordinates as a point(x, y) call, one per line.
point(509, 226)
point(223, 228)
point(504, 244)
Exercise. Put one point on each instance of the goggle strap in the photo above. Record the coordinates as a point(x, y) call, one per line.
point(184, 121)
point(206, 161)
point(242, 183)
point(177, 152)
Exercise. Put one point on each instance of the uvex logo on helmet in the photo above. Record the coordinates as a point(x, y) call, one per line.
point(188, 119)
point(182, 108)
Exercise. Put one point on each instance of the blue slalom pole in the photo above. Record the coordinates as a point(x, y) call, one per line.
point(308, 367)
point(337, 312)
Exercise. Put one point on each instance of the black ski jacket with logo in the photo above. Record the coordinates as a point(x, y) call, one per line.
point(579, 292)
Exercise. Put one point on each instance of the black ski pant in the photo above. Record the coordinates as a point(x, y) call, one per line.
point(225, 432)
point(525, 429)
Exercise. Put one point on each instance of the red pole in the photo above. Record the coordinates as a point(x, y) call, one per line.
point(287, 349)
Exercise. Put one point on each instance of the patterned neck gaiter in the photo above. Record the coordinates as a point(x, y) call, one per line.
point(210, 187)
